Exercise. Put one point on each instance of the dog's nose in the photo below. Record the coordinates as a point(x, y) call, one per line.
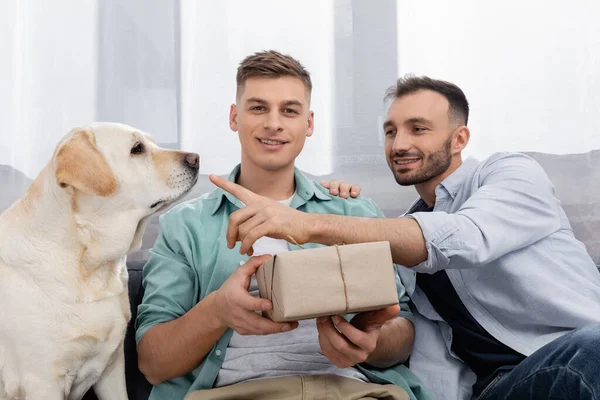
point(192, 160)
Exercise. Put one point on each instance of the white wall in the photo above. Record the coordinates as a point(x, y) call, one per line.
point(47, 77)
point(530, 69)
point(216, 36)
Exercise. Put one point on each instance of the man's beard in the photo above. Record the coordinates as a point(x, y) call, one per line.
point(433, 165)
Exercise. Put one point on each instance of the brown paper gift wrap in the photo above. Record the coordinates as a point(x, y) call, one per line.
point(334, 280)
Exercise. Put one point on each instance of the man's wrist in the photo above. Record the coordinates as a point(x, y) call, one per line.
point(218, 322)
point(314, 227)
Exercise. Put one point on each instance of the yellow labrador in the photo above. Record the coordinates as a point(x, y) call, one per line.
point(64, 306)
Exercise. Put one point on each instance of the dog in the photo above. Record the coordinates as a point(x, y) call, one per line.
point(64, 306)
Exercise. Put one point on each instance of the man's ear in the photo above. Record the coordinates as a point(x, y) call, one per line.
point(80, 165)
point(461, 139)
point(311, 124)
point(233, 118)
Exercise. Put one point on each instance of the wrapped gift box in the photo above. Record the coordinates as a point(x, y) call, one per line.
point(335, 280)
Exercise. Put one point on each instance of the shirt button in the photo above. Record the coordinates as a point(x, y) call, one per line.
point(218, 353)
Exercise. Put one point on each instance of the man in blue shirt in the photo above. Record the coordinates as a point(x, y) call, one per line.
point(508, 300)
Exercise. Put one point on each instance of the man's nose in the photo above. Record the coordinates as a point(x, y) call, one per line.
point(273, 121)
point(401, 144)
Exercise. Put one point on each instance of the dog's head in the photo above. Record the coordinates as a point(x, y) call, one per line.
point(120, 169)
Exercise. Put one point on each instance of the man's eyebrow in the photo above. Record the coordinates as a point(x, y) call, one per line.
point(387, 124)
point(285, 102)
point(417, 120)
point(293, 103)
point(256, 100)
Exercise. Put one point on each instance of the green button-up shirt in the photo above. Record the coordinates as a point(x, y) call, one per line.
point(190, 259)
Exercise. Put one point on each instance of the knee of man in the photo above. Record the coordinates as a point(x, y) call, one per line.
point(587, 338)
point(582, 355)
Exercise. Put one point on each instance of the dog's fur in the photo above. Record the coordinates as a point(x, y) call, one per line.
point(64, 305)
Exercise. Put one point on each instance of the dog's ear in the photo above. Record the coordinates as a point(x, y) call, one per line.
point(79, 164)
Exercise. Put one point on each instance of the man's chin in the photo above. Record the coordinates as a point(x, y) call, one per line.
point(405, 183)
point(407, 179)
point(275, 165)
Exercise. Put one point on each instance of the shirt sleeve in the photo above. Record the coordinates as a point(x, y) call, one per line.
point(513, 207)
point(171, 284)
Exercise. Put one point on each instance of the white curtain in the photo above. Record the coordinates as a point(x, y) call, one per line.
point(216, 36)
point(530, 69)
point(47, 76)
point(67, 63)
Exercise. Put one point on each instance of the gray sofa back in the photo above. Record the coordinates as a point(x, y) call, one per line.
point(576, 178)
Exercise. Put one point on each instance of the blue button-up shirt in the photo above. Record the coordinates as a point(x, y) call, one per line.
point(500, 232)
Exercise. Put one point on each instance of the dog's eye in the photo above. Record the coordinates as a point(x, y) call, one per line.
point(137, 149)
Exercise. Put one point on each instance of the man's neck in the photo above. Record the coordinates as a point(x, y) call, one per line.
point(276, 185)
point(427, 189)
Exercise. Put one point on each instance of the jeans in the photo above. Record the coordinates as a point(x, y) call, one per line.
point(567, 368)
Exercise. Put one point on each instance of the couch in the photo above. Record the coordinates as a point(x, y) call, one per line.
point(576, 178)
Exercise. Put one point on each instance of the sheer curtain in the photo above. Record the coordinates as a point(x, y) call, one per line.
point(138, 66)
point(70, 63)
point(530, 69)
point(48, 76)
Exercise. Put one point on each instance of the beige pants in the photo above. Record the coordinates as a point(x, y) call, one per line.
point(306, 387)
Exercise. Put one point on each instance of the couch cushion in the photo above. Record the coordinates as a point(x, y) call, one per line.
point(576, 178)
point(13, 184)
point(138, 388)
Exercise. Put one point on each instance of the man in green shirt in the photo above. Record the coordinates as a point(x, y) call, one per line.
point(198, 331)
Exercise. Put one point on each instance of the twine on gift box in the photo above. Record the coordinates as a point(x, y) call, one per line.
point(273, 299)
point(337, 249)
point(294, 241)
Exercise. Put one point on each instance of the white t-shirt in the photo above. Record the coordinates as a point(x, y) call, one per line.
point(297, 352)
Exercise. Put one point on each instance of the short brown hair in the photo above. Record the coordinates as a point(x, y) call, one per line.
point(458, 104)
point(271, 64)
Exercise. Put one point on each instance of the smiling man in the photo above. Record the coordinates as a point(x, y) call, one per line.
point(508, 299)
point(197, 329)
